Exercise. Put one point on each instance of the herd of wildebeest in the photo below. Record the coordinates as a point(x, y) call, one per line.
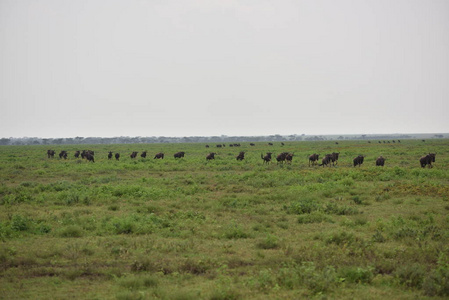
point(284, 157)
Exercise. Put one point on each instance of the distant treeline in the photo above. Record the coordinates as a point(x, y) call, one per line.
point(201, 139)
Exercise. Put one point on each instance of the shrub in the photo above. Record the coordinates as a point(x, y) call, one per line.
point(270, 242)
point(334, 208)
point(314, 217)
point(356, 274)
point(71, 231)
point(437, 282)
point(20, 223)
point(303, 206)
point(411, 275)
point(234, 231)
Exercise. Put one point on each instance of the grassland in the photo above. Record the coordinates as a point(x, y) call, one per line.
point(223, 229)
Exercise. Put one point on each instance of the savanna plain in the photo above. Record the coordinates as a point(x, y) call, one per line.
point(189, 228)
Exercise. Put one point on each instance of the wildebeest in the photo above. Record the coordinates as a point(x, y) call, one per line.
point(334, 158)
point(241, 156)
point(211, 156)
point(179, 154)
point(117, 156)
point(281, 157)
point(270, 144)
point(252, 144)
point(326, 160)
point(144, 154)
point(90, 157)
point(289, 158)
point(207, 146)
point(427, 160)
point(134, 154)
point(266, 158)
point(110, 155)
point(380, 161)
point(51, 153)
point(159, 155)
point(282, 144)
point(314, 159)
point(336, 143)
point(358, 161)
point(219, 146)
point(85, 152)
point(63, 154)
point(399, 141)
point(77, 154)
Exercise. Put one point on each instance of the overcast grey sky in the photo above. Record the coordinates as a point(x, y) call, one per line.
point(207, 67)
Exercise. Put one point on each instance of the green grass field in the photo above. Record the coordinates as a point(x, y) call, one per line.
point(224, 229)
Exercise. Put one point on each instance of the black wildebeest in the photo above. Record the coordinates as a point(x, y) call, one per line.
point(211, 156)
point(85, 152)
point(117, 156)
point(334, 158)
point(427, 160)
point(289, 158)
point(281, 157)
point(159, 155)
point(241, 156)
point(63, 154)
point(134, 154)
point(144, 154)
point(314, 159)
point(77, 154)
point(358, 161)
point(179, 155)
point(90, 157)
point(380, 161)
point(51, 153)
point(266, 158)
point(110, 155)
point(326, 160)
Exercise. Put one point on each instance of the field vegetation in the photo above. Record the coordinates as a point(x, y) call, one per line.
point(225, 229)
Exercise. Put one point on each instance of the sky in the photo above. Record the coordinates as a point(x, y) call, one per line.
point(92, 68)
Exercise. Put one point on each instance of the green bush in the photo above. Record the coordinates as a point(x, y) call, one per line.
point(356, 274)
